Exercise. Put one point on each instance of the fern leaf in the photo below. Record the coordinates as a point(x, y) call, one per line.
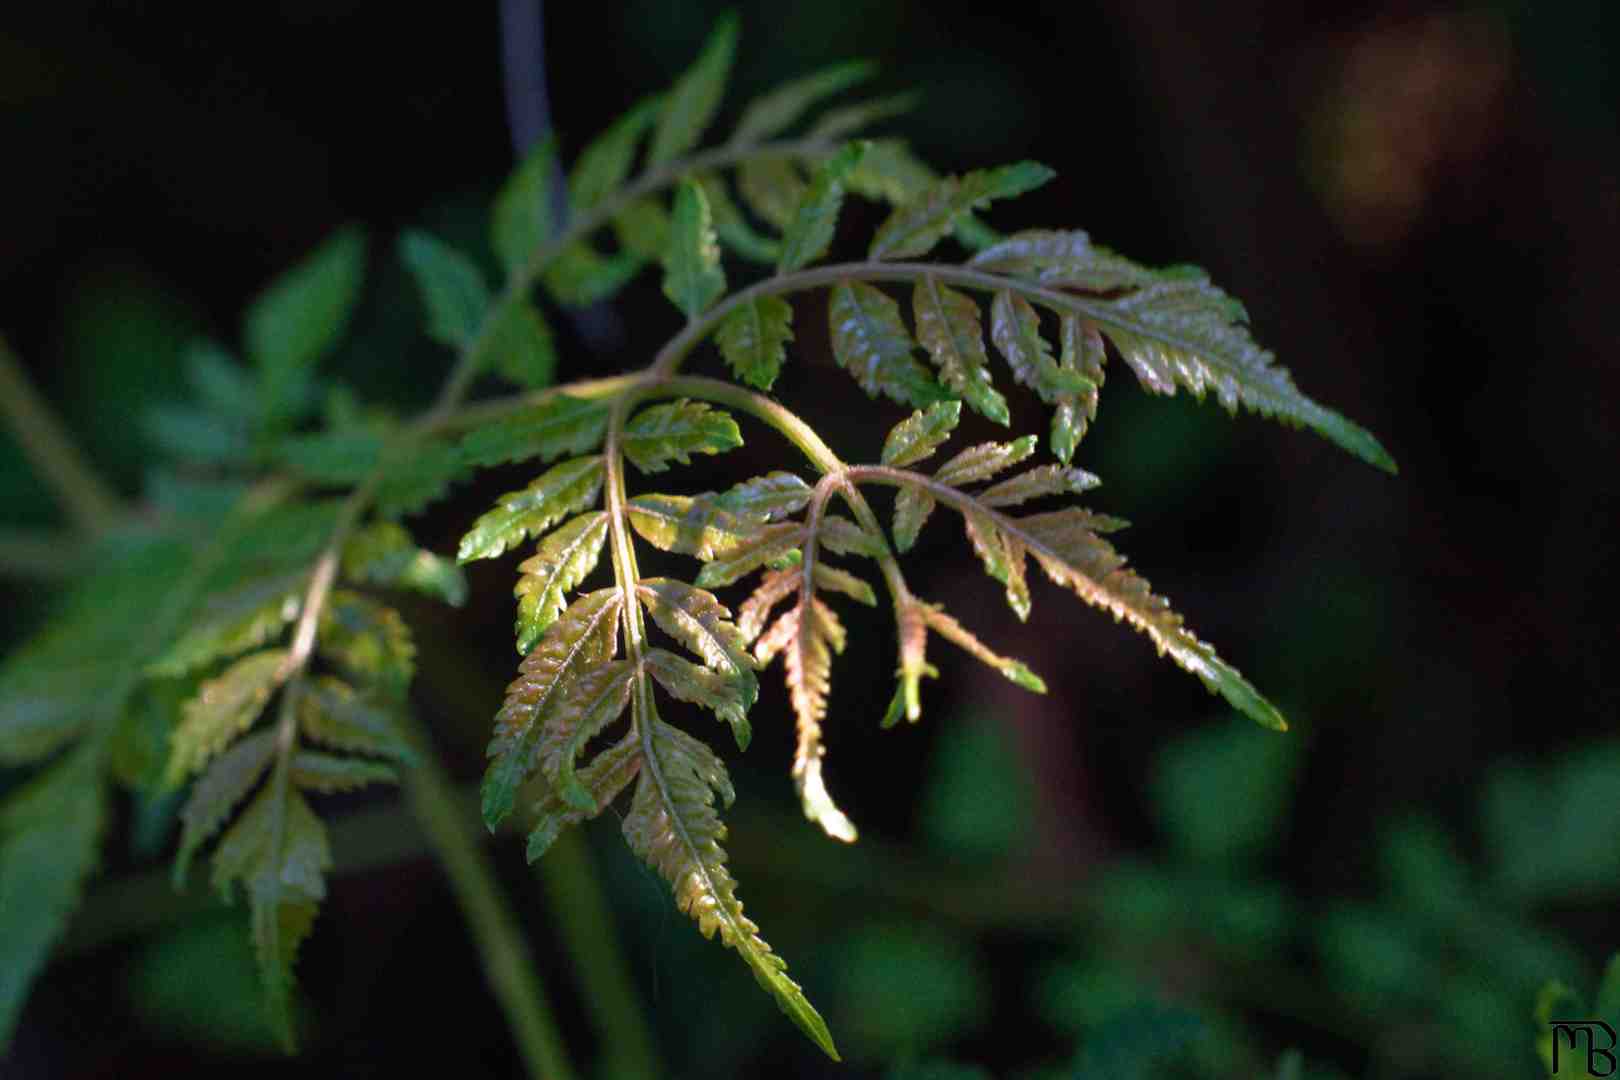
point(1036, 483)
point(814, 634)
point(231, 624)
point(733, 227)
point(1003, 558)
point(770, 497)
point(810, 231)
point(754, 338)
point(565, 558)
point(915, 226)
point(333, 713)
point(224, 708)
point(609, 773)
point(948, 327)
point(367, 641)
point(604, 164)
point(278, 851)
point(331, 457)
point(947, 627)
point(871, 342)
point(775, 112)
point(693, 279)
point(773, 188)
point(642, 228)
point(673, 826)
point(452, 287)
point(912, 507)
point(564, 489)
point(50, 832)
point(558, 426)
point(383, 554)
point(1064, 260)
point(842, 581)
point(754, 612)
point(889, 172)
point(584, 637)
point(913, 637)
point(424, 477)
point(774, 546)
point(586, 706)
point(984, 461)
point(1083, 351)
point(691, 103)
point(920, 434)
point(690, 524)
point(676, 430)
point(226, 782)
point(1016, 330)
point(519, 347)
point(521, 218)
point(330, 774)
point(298, 319)
point(720, 693)
point(1068, 549)
point(843, 537)
point(836, 123)
point(703, 625)
point(1183, 331)
point(580, 276)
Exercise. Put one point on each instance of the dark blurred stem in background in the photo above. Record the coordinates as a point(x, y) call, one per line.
point(567, 873)
point(92, 504)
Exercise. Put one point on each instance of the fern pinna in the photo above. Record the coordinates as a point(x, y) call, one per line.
point(275, 671)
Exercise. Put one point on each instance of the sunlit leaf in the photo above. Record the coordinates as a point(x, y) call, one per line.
point(673, 431)
point(563, 489)
point(1016, 330)
point(609, 773)
point(714, 690)
point(1083, 351)
point(871, 342)
point(948, 327)
point(754, 337)
point(984, 461)
point(559, 425)
point(920, 434)
point(566, 557)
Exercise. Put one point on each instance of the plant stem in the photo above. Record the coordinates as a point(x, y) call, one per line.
point(508, 965)
point(92, 504)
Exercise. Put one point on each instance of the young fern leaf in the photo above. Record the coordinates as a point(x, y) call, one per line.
point(815, 633)
point(691, 103)
point(673, 826)
point(947, 627)
point(948, 327)
point(674, 431)
point(810, 232)
point(920, 434)
point(871, 342)
point(918, 224)
point(1016, 330)
point(566, 557)
point(693, 280)
point(766, 498)
point(703, 625)
point(754, 339)
point(720, 693)
point(984, 461)
point(562, 490)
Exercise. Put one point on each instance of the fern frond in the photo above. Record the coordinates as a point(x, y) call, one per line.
point(673, 826)
point(810, 231)
point(330, 774)
point(912, 508)
point(719, 692)
point(754, 339)
point(1016, 330)
point(693, 279)
point(948, 327)
point(521, 219)
point(842, 581)
point(942, 623)
point(674, 431)
point(732, 226)
point(774, 112)
point(558, 426)
point(771, 545)
point(691, 103)
point(224, 708)
point(703, 625)
point(766, 498)
point(225, 783)
point(1082, 352)
point(814, 633)
point(586, 705)
point(383, 554)
point(584, 637)
point(871, 342)
point(920, 434)
point(984, 461)
point(1066, 259)
point(773, 188)
point(1003, 558)
point(694, 525)
point(607, 774)
point(566, 557)
point(333, 713)
point(774, 587)
point(233, 623)
point(563, 489)
point(367, 641)
point(925, 219)
point(1037, 483)
point(603, 166)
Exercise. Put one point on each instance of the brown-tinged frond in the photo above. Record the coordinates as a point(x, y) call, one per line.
point(1016, 330)
point(948, 327)
point(1083, 351)
point(842, 536)
point(565, 558)
point(842, 581)
point(947, 627)
point(912, 633)
point(1002, 555)
point(912, 507)
point(608, 773)
point(981, 462)
point(1036, 483)
point(815, 635)
point(774, 587)
point(584, 707)
point(703, 686)
point(584, 637)
point(774, 545)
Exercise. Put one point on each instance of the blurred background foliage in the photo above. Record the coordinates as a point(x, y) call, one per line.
point(1419, 204)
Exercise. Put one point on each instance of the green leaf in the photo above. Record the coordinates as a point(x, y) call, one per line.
point(566, 557)
point(754, 337)
point(984, 461)
point(1063, 260)
point(604, 165)
point(580, 275)
point(691, 103)
point(948, 327)
point(916, 225)
point(692, 525)
point(673, 825)
point(766, 498)
point(367, 641)
point(714, 690)
point(586, 636)
point(947, 627)
point(693, 279)
point(409, 484)
point(452, 287)
point(562, 490)
point(1016, 330)
point(333, 714)
point(836, 123)
point(225, 783)
point(231, 623)
point(1223, 794)
point(1083, 351)
point(519, 347)
point(912, 507)
point(587, 705)
point(330, 774)
point(299, 317)
point(50, 830)
point(702, 624)
point(920, 434)
point(732, 227)
point(773, 545)
point(383, 554)
point(609, 773)
point(559, 425)
point(1039, 482)
point(673, 431)
point(871, 342)
point(339, 458)
point(642, 228)
point(278, 851)
point(775, 112)
point(841, 581)
point(772, 187)
point(224, 708)
point(521, 220)
point(192, 434)
point(810, 232)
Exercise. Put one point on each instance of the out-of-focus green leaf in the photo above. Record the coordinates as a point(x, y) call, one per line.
point(691, 103)
point(907, 987)
point(1223, 794)
point(521, 220)
point(604, 164)
point(580, 275)
point(384, 554)
point(452, 287)
point(810, 231)
point(410, 483)
point(367, 641)
point(979, 800)
point(1547, 827)
point(198, 984)
point(1138, 1044)
point(223, 709)
point(693, 279)
point(775, 112)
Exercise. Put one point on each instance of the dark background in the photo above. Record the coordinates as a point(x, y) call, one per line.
point(1417, 203)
